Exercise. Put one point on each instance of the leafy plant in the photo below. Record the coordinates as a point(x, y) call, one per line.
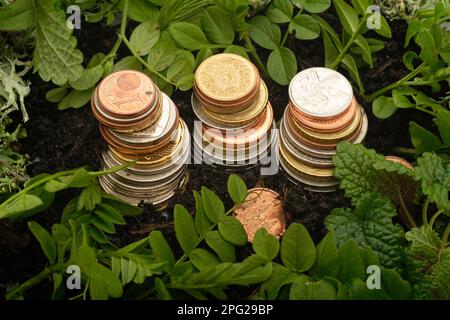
point(353, 50)
point(370, 181)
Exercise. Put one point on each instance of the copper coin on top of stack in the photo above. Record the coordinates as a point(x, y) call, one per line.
point(233, 105)
point(138, 122)
point(322, 112)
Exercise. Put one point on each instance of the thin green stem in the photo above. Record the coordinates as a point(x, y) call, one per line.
point(425, 211)
point(406, 151)
point(400, 82)
point(406, 215)
point(252, 50)
point(425, 110)
point(435, 216)
point(349, 44)
point(285, 37)
point(113, 51)
point(444, 239)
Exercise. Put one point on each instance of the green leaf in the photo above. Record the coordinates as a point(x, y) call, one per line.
point(326, 263)
point(282, 65)
point(202, 224)
point(202, 55)
point(330, 50)
point(366, 52)
point(434, 179)
point(370, 225)
point(203, 259)
point(443, 123)
point(280, 11)
point(414, 27)
point(161, 291)
point(240, 51)
point(161, 248)
point(428, 51)
point(326, 28)
point(351, 264)
point(184, 229)
point(55, 55)
point(384, 30)
point(102, 222)
point(88, 79)
point(80, 179)
point(144, 37)
point(19, 205)
point(89, 197)
point(297, 249)
point(232, 231)
point(124, 208)
point(17, 16)
point(315, 6)
point(349, 64)
point(265, 33)
point(422, 139)
point(142, 10)
point(400, 100)
point(188, 35)
point(182, 67)
point(216, 25)
point(383, 107)
point(103, 283)
point(361, 6)
point(306, 27)
point(280, 277)
point(265, 244)
point(57, 94)
point(212, 205)
point(393, 284)
point(113, 215)
point(48, 246)
point(75, 99)
point(408, 59)
point(127, 63)
point(236, 188)
point(57, 282)
point(97, 234)
point(224, 249)
point(252, 270)
point(303, 288)
point(347, 16)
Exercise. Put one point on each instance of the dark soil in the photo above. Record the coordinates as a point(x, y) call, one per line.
point(61, 140)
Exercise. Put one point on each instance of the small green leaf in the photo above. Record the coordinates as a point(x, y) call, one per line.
point(315, 6)
point(216, 25)
point(89, 197)
point(224, 249)
point(265, 244)
point(19, 205)
point(48, 246)
point(282, 65)
point(163, 53)
point(280, 277)
point(422, 139)
point(102, 222)
point(265, 33)
point(188, 35)
point(306, 27)
point(401, 101)
point(127, 63)
point(383, 107)
point(331, 51)
point(351, 264)
point(408, 59)
point(88, 78)
point(161, 291)
point(280, 11)
point(203, 259)
point(144, 37)
point(304, 288)
point(297, 249)
point(202, 224)
point(184, 229)
point(124, 208)
point(80, 179)
point(443, 123)
point(347, 16)
point(426, 42)
point(232, 230)
point(326, 263)
point(57, 94)
point(237, 188)
point(113, 215)
point(75, 99)
point(202, 55)
point(414, 27)
point(349, 64)
point(240, 51)
point(142, 10)
point(161, 248)
point(384, 30)
point(212, 205)
point(17, 16)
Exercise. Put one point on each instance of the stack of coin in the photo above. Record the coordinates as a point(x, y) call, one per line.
point(232, 103)
point(140, 123)
point(322, 112)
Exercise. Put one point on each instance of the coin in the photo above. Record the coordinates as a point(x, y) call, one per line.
point(400, 161)
point(262, 209)
point(320, 92)
point(226, 77)
point(126, 93)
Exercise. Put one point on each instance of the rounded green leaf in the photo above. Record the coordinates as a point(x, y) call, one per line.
point(236, 188)
point(265, 33)
point(383, 107)
point(188, 35)
point(265, 244)
point(144, 37)
point(163, 52)
point(216, 23)
point(282, 65)
point(232, 230)
point(75, 99)
point(315, 6)
point(88, 79)
point(56, 94)
point(240, 51)
point(306, 28)
point(298, 252)
point(307, 289)
point(280, 11)
point(129, 62)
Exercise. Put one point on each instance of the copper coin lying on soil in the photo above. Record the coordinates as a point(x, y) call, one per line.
point(262, 209)
point(400, 160)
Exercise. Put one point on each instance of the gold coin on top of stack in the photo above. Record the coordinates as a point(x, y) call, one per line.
point(322, 112)
point(139, 123)
point(232, 102)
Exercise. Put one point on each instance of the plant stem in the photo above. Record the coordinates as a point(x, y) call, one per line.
point(130, 47)
point(400, 82)
point(285, 37)
point(407, 151)
point(406, 215)
point(252, 50)
point(113, 50)
point(435, 216)
point(349, 44)
point(425, 110)
point(445, 237)
point(41, 276)
point(425, 211)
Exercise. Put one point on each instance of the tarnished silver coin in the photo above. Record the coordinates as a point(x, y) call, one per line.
point(364, 127)
point(320, 92)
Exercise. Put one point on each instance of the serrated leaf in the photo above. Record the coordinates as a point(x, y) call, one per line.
point(236, 188)
point(298, 252)
point(216, 25)
point(265, 244)
point(282, 65)
point(184, 229)
point(265, 33)
point(44, 238)
point(55, 56)
point(232, 231)
point(370, 225)
point(224, 249)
